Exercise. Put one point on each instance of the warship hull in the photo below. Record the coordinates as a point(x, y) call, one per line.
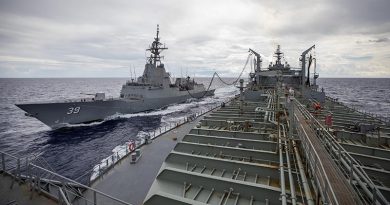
point(62, 114)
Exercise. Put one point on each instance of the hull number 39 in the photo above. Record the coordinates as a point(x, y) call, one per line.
point(73, 110)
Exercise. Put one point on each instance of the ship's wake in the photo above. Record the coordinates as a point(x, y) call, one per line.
point(170, 116)
point(221, 94)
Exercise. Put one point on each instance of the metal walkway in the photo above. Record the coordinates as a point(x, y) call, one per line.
point(340, 177)
point(338, 190)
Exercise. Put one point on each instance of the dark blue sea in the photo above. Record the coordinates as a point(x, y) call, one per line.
point(74, 151)
point(367, 94)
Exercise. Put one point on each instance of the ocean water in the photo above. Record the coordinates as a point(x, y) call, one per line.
point(74, 151)
point(367, 94)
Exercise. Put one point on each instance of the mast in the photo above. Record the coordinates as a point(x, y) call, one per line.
point(155, 49)
point(278, 55)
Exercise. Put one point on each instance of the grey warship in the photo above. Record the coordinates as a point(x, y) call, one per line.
point(150, 91)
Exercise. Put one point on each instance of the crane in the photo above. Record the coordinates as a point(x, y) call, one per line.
point(303, 60)
point(258, 59)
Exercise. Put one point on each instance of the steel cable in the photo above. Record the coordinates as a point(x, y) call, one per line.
point(216, 74)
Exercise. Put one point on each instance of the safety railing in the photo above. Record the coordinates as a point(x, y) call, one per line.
point(316, 167)
point(381, 118)
point(62, 199)
point(116, 157)
point(351, 168)
point(51, 184)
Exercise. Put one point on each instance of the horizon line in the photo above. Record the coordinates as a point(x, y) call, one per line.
point(356, 77)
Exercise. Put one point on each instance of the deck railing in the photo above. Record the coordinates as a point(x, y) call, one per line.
point(351, 168)
point(116, 157)
point(51, 184)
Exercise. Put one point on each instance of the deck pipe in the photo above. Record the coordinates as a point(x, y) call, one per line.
point(282, 182)
point(281, 166)
point(290, 177)
point(305, 183)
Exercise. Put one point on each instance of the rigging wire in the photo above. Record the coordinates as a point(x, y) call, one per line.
point(216, 74)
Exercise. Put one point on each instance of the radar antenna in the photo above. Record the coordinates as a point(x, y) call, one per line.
point(155, 49)
point(278, 55)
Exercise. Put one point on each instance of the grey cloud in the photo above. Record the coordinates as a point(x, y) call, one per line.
point(376, 40)
point(359, 58)
point(109, 36)
point(380, 40)
point(318, 18)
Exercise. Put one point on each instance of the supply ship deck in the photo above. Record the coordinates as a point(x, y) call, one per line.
point(222, 163)
point(281, 141)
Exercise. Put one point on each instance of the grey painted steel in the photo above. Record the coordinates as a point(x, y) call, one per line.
point(150, 91)
point(266, 157)
point(131, 182)
point(231, 142)
point(356, 171)
point(55, 114)
point(32, 175)
point(219, 166)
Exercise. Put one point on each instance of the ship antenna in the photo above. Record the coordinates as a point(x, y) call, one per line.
point(158, 31)
point(155, 49)
point(131, 74)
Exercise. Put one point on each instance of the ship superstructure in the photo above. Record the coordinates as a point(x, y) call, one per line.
point(152, 90)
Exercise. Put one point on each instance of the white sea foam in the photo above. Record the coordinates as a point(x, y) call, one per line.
point(221, 94)
point(85, 124)
point(167, 121)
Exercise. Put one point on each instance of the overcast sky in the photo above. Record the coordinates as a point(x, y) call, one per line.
point(91, 38)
